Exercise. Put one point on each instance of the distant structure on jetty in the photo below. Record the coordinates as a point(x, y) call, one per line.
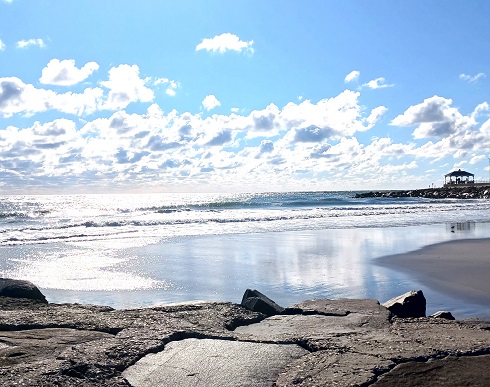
point(457, 185)
point(458, 177)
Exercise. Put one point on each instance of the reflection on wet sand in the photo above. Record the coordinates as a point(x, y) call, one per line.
point(287, 266)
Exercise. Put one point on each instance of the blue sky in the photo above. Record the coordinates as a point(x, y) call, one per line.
point(219, 96)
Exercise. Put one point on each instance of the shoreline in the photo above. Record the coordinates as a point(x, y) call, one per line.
point(458, 268)
point(290, 266)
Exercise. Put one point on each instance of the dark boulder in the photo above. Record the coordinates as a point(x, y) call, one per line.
point(443, 314)
point(20, 289)
point(410, 304)
point(257, 302)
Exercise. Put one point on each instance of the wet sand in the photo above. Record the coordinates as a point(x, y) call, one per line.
point(289, 267)
point(457, 268)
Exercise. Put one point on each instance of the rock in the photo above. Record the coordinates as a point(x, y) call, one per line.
point(19, 347)
point(450, 371)
point(455, 192)
point(410, 304)
point(375, 315)
point(443, 314)
point(20, 289)
point(327, 368)
point(206, 362)
point(257, 302)
point(321, 342)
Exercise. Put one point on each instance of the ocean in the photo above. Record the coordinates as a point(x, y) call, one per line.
point(147, 249)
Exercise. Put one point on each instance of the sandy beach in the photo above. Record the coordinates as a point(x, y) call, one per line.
point(456, 268)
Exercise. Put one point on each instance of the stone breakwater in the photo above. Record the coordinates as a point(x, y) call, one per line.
point(257, 343)
point(459, 192)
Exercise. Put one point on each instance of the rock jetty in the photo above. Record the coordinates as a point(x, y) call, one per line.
point(323, 342)
point(454, 192)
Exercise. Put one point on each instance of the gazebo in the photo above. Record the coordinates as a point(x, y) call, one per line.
point(459, 177)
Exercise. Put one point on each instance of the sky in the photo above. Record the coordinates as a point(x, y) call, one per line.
point(241, 96)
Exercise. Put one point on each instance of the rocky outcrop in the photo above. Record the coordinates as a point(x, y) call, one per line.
point(257, 302)
point(410, 304)
point(454, 192)
point(20, 289)
point(443, 314)
point(321, 342)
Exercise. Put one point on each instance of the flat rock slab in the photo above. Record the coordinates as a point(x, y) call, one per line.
point(451, 371)
point(349, 342)
point(301, 327)
point(329, 368)
point(206, 362)
point(35, 344)
point(341, 307)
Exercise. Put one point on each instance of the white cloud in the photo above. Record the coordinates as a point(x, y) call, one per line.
point(375, 115)
point(477, 159)
point(2, 45)
point(160, 81)
point(171, 85)
point(352, 76)
point(472, 78)
point(433, 109)
point(266, 122)
point(210, 102)
point(125, 86)
point(378, 83)
point(225, 42)
point(458, 133)
point(337, 116)
point(273, 147)
point(18, 97)
point(30, 42)
point(65, 73)
point(40, 148)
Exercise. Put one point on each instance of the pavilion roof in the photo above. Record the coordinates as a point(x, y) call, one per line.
point(459, 173)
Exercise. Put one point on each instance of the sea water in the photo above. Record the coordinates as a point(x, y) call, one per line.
point(140, 250)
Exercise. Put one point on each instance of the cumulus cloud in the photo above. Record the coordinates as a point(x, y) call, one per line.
point(266, 146)
point(171, 86)
point(125, 86)
point(223, 137)
point(210, 102)
point(38, 149)
point(225, 42)
point(338, 116)
point(434, 109)
point(458, 133)
point(352, 76)
point(273, 145)
point(375, 115)
point(2, 45)
point(312, 134)
point(472, 78)
point(18, 97)
point(264, 123)
point(65, 73)
point(378, 83)
point(322, 151)
point(30, 42)
point(435, 117)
